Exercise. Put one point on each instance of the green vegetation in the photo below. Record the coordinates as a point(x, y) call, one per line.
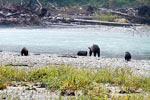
point(105, 16)
point(3, 83)
point(121, 20)
point(98, 3)
point(91, 82)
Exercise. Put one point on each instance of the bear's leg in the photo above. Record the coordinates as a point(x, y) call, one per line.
point(94, 54)
point(90, 53)
point(98, 53)
point(21, 53)
point(26, 53)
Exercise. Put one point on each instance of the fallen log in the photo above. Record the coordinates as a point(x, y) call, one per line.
point(81, 17)
point(95, 22)
point(10, 21)
point(13, 14)
point(18, 65)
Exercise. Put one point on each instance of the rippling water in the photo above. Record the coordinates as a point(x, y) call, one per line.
point(113, 41)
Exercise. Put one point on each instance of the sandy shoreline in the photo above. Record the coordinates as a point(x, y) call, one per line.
point(141, 67)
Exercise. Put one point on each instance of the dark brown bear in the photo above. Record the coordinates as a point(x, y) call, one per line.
point(24, 52)
point(82, 53)
point(127, 56)
point(94, 49)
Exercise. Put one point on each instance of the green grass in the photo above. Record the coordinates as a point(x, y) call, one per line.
point(105, 16)
point(91, 82)
point(3, 82)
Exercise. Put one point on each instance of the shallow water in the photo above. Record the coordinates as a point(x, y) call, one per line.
point(113, 41)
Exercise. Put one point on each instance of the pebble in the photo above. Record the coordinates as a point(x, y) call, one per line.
point(42, 60)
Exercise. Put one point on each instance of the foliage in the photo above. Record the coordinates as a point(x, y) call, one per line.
point(133, 97)
point(3, 83)
point(99, 3)
point(13, 74)
point(105, 16)
point(91, 82)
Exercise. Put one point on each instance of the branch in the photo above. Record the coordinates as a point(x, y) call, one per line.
point(39, 3)
point(30, 3)
point(1, 3)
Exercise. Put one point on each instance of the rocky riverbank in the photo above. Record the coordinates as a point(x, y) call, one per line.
point(141, 67)
point(32, 91)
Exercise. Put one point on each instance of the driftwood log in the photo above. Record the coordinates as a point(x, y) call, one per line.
point(94, 22)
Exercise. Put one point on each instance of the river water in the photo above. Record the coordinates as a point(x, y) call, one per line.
point(113, 41)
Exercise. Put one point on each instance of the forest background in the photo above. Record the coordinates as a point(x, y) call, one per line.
point(113, 4)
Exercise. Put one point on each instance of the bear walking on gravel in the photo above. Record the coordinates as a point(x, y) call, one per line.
point(24, 52)
point(94, 49)
point(127, 56)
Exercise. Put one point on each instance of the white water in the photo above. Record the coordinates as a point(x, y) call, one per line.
point(113, 41)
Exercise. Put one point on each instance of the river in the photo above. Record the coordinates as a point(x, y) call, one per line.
point(113, 41)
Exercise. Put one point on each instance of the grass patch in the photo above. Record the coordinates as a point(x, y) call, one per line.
point(105, 16)
point(3, 82)
point(88, 81)
point(121, 20)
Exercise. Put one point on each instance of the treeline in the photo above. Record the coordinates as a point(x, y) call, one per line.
point(97, 3)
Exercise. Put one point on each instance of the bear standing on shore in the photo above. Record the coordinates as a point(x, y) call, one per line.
point(24, 52)
point(94, 49)
point(127, 56)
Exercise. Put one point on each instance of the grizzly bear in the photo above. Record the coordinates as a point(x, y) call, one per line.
point(94, 49)
point(127, 56)
point(82, 53)
point(24, 52)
